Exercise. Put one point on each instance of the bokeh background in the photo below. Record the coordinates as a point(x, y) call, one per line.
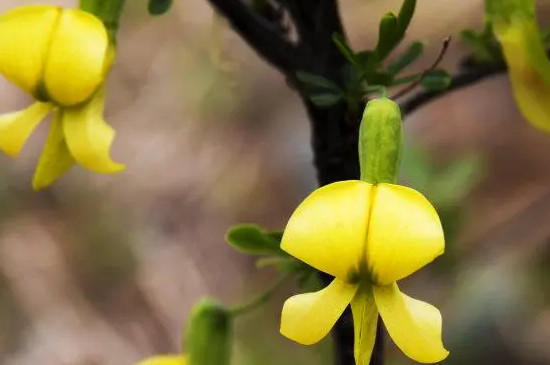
point(102, 270)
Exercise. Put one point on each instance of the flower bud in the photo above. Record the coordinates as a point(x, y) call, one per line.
point(209, 334)
point(380, 141)
point(55, 54)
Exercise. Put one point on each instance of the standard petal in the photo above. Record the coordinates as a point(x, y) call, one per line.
point(365, 320)
point(16, 127)
point(404, 233)
point(328, 230)
point(88, 137)
point(25, 33)
point(307, 318)
point(76, 58)
point(165, 360)
point(55, 159)
point(414, 326)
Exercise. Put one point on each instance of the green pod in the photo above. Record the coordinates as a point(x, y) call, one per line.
point(380, 140)
point(209, 334)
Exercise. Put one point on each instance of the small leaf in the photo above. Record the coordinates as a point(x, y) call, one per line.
point(435, 80)
point(406, 58)
point(404, 18)
point(363, 57)
point(382, 78)
point(249, 238)
point(345, 49)
point(159, 7)
point(325, 99)
point(386, 35)
point(316, 80)
point(406, 80)
point(276, 235)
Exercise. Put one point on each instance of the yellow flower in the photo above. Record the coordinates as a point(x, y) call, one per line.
point(516, 29)
point(368, 237)
point(61, 57)
point(164, 360)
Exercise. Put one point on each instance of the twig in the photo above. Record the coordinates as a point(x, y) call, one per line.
point(412, 86)
point(466, 78)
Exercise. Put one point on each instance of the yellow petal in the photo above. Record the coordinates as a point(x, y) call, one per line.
point(25, 33)
point(165, 360)
point(365, 320)
point(307, 318)
point(404, 233)
point(16, 127)
point(515, 26)
point(76, 58)
point(88, 136)
point(529, 72)
point(55, 159)
point(414, 326)
point(328, 230)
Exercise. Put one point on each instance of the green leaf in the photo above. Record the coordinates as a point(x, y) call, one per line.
point(386, 35)
point(363, 57)
point(250, 239)
point(325, 99)
point(316, 80)
point(382, 78)
point(413, 52)
point(344, 48)
point(406, 80)
point(435, 80)
point(159, 7)
point(404, 18)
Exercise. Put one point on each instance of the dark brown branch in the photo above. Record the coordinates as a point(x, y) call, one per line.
point(258, 33)
point(468, 77)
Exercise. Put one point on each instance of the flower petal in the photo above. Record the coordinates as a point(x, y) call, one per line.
point(404, 233)
point(307, 318)
point(365, 320)
point(25, 33)
point(75, 65)
point(88, 136)
point(165, 360)
point(328, 230)
point(55, 159)
point(515, 26)
point(414, 326)
point(16, 127)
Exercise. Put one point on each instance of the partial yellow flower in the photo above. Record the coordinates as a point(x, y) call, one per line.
point(165, 360)
point(368, 237)
point(515, 26)
point(61, 57)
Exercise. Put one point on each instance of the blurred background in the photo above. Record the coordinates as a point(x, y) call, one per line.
point(102, 270)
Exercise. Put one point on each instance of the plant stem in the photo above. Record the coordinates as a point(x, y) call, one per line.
point(259, 300)
point(109, 11)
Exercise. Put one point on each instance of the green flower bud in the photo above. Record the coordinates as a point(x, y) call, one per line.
point(380, 140)
point(209, 334)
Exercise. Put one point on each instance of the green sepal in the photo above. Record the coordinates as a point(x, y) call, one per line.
point(380, 140)
point(250, 239)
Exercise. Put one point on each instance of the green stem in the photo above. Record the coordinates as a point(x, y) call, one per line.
point(259, 300)
point(109, 11)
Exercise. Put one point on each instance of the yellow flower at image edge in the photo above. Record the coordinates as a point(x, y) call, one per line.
point(515, 26)
point(61, 57)
point(368, 237)
point(164, 360)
